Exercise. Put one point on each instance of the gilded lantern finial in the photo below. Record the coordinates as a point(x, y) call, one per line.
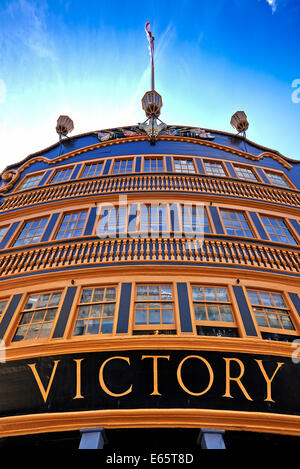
point(239, 122)
point(64, 126)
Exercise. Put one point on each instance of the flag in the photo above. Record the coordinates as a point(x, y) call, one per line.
point(150, 39)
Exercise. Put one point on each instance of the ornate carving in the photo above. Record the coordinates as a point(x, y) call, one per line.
point(9, 178)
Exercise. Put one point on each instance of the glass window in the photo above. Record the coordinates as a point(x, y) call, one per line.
point(96, 311)
point(3, 230)
point(31, 232)
point(38, 316)
point(184, 166)
point(3, 304)
point(277, 179)
point(72, 225)
point(62, 175)
point(194, 219)
point(245, 173)
point(112, 220)
point(213, 311)
point(277, 230)
point(123, 166)
point(154, 307)
point(152, 165)
point(30, 181)
point(92, 170)
point(270, 310)
point(236, 224)
point(214, 169)
point(153, 218)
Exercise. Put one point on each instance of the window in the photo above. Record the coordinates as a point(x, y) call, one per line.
point(184, 166)
point(194, 220)
point(72, 225)
point(213, 311)
point(112, 221)
point(277, 230)
point(3, 304)
point(31, 232)
point(62, 175)
point(3, 230)
point(38, 316)
point(271, 312)
point(122, 167)
point(154, 309)
point(245, 173)
point(152, 165)
point(92, 170)
point(214, 169)
point(30, 181)
point(277, 179)
point(153, 218)
point(96, 311)
point(236, 224)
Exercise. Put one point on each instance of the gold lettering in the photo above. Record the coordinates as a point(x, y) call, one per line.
point(210, 371)
point(237, 379)
point(155, 377)
point(43, 392)
point(101, 380)
point(268, 380)
point(78, 379)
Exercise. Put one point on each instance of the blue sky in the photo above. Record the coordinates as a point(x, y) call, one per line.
point(90, 60)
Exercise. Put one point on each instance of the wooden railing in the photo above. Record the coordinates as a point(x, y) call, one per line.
point(100, 252)
point(151, 183)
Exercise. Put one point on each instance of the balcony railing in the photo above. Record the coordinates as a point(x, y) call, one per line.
point(151, 183)
point(101, 252)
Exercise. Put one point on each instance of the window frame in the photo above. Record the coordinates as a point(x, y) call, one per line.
point(273, 330)
point(194, 233)
point(15, 237)
point(61, 219)
point(154, 327)
point(2, 299)
point(186, 158)
point(223, 165)
point(289, 184)
point(19, 314)
point(6, 230)
point(288, 226)
point(74, 312)
point(247, 167)
point(61, 168)
point(153, 157)
point(19, 187)
point(248, 220)
point(87, 163)
point(235, 324)
point(115, 160)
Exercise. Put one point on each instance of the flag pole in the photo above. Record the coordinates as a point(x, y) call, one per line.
point(151, 49)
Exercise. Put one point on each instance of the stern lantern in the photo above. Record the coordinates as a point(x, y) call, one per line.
point(239, 122)
point(64, 126)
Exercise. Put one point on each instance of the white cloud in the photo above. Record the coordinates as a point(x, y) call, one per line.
point(272, 4)
point(29, 20)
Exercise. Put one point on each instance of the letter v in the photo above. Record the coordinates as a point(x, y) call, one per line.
point(44, 392)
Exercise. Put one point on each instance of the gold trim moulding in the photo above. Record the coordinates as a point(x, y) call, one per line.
point(151, 418)
point(125, 343)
